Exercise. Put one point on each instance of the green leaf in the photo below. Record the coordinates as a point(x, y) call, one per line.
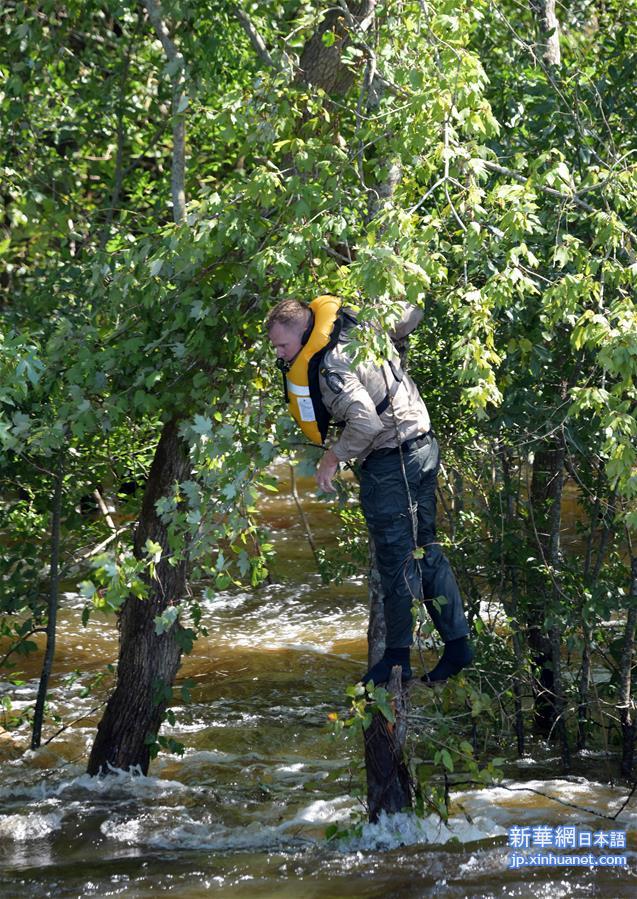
point(166, 620)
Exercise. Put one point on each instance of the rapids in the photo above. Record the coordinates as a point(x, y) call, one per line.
point(244, 811)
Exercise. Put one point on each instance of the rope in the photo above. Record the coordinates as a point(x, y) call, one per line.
point(412, 507)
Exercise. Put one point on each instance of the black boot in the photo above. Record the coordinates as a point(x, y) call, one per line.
point(456, 656)
point(381, 671)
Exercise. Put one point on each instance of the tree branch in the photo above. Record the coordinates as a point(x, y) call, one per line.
point(549, 27)
point(179, 103)
point(118, 177)
point(518, 176)
point(23, 639)
point(99, 499)
point(256, 40)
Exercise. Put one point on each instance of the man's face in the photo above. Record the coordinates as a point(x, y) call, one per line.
point(286, 340)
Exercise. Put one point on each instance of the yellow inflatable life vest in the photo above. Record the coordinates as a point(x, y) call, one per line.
point(325, 310)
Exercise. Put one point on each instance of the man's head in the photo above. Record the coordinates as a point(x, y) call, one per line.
point(286, 326)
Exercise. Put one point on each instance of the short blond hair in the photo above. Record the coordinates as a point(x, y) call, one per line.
point(290, 313)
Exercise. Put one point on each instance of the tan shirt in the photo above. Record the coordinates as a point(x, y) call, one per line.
point(351, 394)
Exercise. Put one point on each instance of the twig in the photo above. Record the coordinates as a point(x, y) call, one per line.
point(424, 198)
point(518, 176)
point(104, 510)
point(255, 38)
point(100, 546)
point(303, 517)
point(75, 720)
point(23, 638)
point(565, 802)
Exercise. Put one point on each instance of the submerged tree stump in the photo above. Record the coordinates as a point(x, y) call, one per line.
point(388, 781)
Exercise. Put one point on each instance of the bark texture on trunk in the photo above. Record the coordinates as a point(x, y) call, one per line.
point(376, 629)
point(546, 506)
point(511, 573)
point(388, 781)
point(51, 623)
point(322, 65)
point(148, 662)
point(626, 701)
point(604, 512)
point(549, 29)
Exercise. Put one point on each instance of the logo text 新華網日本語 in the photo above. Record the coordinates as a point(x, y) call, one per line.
point(545, 846)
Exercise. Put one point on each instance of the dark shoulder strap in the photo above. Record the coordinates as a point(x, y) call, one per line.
point(398, 374)
point(320, 410)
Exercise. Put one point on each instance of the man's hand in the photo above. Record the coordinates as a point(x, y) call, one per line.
point(328, 466)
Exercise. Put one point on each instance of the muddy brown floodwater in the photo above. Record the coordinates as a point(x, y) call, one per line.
point(243, 813)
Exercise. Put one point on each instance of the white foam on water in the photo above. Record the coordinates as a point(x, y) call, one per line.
point(117, 784)
point(126, 784)
point(316, 633)
point(194, 757)
point(187, 833)
point(127, 831)
point(224, 601)
point(321, 811)
point(406, 829)
point(290, 769)
point(18, 705)
point(493, 611)
point(321, 649)
point(471, 866)
point(279, 620)
point(193, 835)
point(543, 802)
point(595, 754)
point(33, 826)
point(175, 828)
point(184, 727)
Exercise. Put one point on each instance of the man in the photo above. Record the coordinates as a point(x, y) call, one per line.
point(387, 433)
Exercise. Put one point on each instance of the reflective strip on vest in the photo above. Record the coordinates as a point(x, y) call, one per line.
point(298, 389)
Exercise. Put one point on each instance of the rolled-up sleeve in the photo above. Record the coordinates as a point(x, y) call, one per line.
point(411, 318)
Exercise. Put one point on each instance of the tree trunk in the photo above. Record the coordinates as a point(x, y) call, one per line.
point(591, 573)
point(388, 781)
point(626, 702)
point(544, 639)
point(51, 622)
point(148, 662)
point(549, 31)
point(321, 65)
point(584, 688)
point(513, 601)
point(179, 104)
point(376, 629)
point(555, 632)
